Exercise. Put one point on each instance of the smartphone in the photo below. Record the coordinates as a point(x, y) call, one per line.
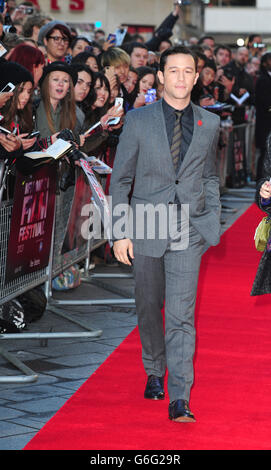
point(32, 134)
point(91, 130)
point(8, 88)
point(120, 35)
point(113, 121)
point(119, 102)
point(3, 130)
point(150, 96)
point(111, 38)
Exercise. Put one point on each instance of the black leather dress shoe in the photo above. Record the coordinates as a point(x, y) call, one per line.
point(155, 388)
point(179, 411)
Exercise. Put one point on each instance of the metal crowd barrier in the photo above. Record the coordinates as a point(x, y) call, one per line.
point(22, 284)
point(233, 173)
point(59, 261)
point(64, 261)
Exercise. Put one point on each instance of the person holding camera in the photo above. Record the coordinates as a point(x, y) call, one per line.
point(207, 90)
point(243, 81)
point(146, 81)
point(255, 45)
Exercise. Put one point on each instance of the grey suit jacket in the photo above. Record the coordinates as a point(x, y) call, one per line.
point(143, 160)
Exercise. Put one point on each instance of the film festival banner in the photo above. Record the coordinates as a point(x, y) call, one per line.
point(98, 197)
point(31, 223)
point(82, 195)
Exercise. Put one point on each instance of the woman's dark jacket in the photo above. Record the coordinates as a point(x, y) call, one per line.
point(262, 281)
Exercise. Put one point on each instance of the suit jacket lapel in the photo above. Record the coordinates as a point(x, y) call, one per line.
point(196, 138)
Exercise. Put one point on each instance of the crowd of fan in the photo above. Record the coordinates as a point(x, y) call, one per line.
point(66, 81)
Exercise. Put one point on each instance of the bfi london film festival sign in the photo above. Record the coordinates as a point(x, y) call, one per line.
point(31, 223)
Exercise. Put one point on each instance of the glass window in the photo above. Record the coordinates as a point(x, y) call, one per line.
point(230, 3)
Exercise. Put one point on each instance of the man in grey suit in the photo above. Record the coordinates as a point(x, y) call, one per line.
point(167, 153)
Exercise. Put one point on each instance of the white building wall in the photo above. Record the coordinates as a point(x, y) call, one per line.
point(239, 20)
point(112, 13)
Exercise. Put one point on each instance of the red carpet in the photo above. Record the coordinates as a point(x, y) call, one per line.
point(231, 397)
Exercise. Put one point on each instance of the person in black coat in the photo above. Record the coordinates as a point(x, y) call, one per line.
point(262, 281)
point(263, 110)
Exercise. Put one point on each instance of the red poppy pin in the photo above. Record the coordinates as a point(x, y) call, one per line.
point(199, 122)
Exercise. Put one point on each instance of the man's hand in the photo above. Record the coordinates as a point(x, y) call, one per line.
point(140, 100)
point(228, 84)
point(123, 248)
point(207, 101)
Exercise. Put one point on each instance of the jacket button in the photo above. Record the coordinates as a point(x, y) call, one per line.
point(177, 182)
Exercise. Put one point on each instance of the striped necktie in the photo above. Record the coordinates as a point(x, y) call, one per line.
point(176, 140)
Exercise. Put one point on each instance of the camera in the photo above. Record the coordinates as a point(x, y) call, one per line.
point(67, 178)
point(9, 28)
point(26, 10)
point(228, 73)
point(258, 45)
point(29, 11)
point(73, 154)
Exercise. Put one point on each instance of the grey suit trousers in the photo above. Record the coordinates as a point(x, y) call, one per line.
point(172, 279)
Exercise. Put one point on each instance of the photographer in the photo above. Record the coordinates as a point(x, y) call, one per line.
point(146, 81)
point(116, 63)
point(207, 91)
point(255, 45)
point(243, 81)
point(222, 56)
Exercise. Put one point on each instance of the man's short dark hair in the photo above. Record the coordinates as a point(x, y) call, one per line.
point(223, 47)
point(252, 36)
point(132, 45)
point(176, 50)
point(200, 41)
